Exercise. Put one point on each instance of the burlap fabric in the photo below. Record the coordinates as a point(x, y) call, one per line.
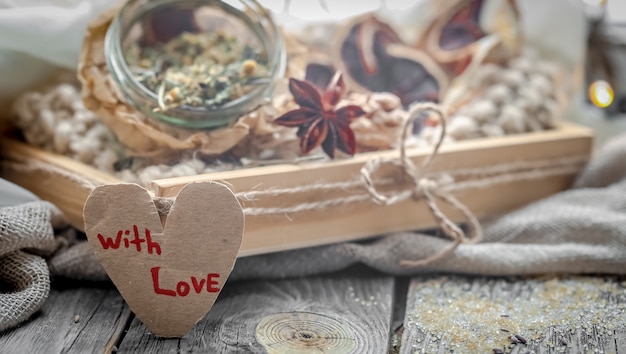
point(581, 230)
point(26, 237)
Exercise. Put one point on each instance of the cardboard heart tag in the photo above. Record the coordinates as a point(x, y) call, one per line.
point(169, 276)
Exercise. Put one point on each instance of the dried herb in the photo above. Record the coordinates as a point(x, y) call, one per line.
point(318, 120)
point(197, 69)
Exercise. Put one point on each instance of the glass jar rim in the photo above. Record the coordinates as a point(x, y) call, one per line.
point(145, 100)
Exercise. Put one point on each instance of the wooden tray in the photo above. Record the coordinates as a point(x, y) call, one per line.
point(62, 181)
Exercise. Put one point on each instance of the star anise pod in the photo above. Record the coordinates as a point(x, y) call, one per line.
point(318, 120)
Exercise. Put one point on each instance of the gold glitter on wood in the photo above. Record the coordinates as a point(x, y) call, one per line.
point(555, 314)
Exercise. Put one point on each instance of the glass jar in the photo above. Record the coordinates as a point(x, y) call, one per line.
point(196, 64)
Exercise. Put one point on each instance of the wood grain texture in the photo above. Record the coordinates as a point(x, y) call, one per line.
point(360, 304)
point(551, 314)
point(38, 171)
point(82, 320)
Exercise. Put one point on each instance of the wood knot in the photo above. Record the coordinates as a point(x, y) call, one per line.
point(304, 332)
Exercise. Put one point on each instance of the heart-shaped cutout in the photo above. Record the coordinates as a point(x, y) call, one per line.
point(169, 276)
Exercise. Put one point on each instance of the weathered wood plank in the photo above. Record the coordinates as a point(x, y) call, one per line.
point(82, 320)
point(620, 340)
point(551, 314)
point(343, 313)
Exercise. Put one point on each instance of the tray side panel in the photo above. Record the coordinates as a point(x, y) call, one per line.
point(270, 233)
point(49, 176)
point(62, 181)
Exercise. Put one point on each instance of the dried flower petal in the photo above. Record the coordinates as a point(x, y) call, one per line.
point(347, 114)
point(335, 90)
point(330, 143)
point(412, 82)
point(457, 26)
point(305, 94)
point(297, 117)
point(463, 28)
point(346, 141)
point(314, 136)
point(363, 53)
point(367, 55)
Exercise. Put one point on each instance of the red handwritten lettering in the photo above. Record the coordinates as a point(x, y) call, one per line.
point(137, 240)
point(109, 243)
point(211, 282)
point(152, 245)
point(182, 287)
point(124, 237)
point(155, 282)
point(197, 286)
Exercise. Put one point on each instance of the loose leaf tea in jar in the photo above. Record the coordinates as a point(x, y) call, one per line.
point(195, 64)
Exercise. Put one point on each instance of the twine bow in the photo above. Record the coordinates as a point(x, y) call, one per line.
point(425, 188)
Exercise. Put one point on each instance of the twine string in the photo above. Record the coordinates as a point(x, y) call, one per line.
point(30, 165)
point(424, 188)
point(474, 178)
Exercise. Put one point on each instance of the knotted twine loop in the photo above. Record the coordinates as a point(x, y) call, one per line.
point(425, 188)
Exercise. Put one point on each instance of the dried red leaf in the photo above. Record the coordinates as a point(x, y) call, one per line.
point(461, 65)
point(463, 27)
point(365, 55)
point(412, 82)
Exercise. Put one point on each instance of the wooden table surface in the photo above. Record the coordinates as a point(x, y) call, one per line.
point(354, 311)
